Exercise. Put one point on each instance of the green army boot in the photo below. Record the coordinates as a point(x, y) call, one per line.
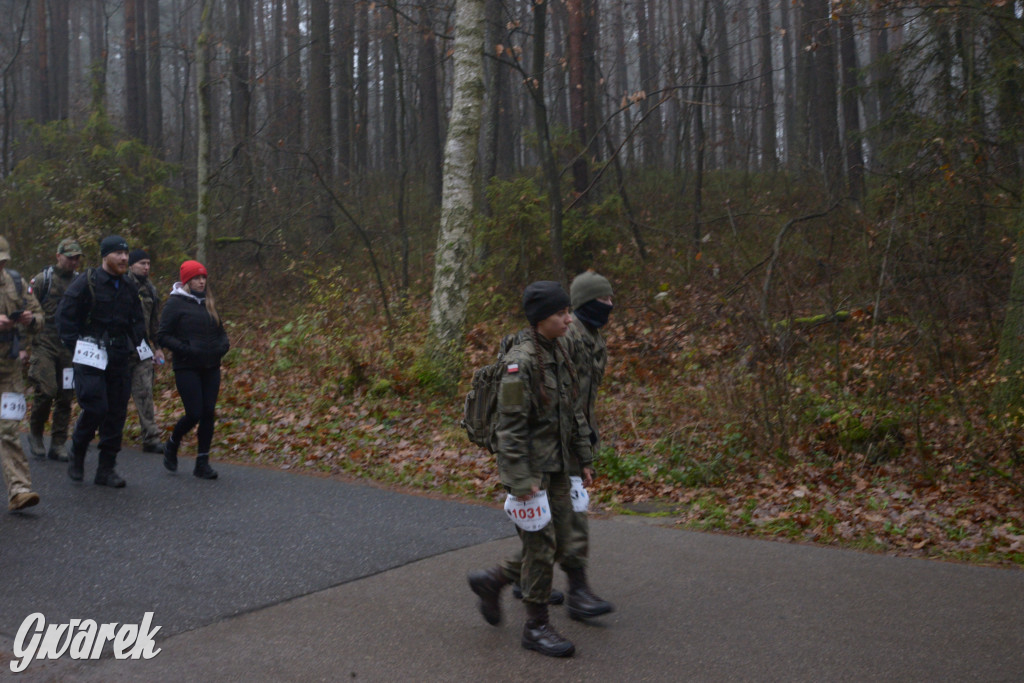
point(540, 636)
point(35, 444)
point(36, 423)
point(58, 451)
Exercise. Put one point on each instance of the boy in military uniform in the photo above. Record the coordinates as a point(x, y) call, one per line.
point(542, 438)
point(19, 311)
point(100, 316)
point(50, 359)
point(142, 369)
point(591, 296)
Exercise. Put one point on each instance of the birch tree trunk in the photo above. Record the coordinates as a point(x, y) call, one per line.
point(203, 156)
point(453, 256)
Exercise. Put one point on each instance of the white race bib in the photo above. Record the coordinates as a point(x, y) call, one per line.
point(529, 515)
point(89, 353)
point(144, 350)
point(579, 495)
point(12, 406)
point(69, 378)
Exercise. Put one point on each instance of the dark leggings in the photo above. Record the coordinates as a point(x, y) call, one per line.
point(198, 390)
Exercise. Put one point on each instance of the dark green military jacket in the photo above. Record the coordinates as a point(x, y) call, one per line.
point(590, 356)
point(150, 301)
point(48, 287)
point(534, 438)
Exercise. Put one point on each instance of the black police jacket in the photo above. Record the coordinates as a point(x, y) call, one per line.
point(103, 306)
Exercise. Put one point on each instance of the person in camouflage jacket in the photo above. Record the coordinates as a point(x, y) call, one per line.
point(50, 358)
point(20, 318)
point(591, 296)
point(542, 438)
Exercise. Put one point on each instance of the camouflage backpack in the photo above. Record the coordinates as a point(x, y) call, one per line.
point(480, 417)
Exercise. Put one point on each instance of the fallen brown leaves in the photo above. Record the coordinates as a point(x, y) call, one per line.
point(700, 420)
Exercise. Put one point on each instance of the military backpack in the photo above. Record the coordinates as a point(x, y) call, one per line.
point(480, 417)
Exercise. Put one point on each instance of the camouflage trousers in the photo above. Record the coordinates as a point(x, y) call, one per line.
point(46, 375)
point(561, 541)
point(142, 394)
point(12, 456)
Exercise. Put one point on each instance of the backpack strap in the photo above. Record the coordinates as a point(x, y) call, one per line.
point(18, 285)
point(44, 292)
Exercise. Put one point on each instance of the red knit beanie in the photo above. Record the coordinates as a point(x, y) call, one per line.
point(190, 269)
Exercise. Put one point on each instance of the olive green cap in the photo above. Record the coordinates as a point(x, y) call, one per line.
point(587, 287)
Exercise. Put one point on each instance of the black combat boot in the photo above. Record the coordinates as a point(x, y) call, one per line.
point(76, 463)
point(202, 468)
point(557, 597)
point(540, 636)
point(171, 455)
point(583, 604)
point(106, 475)
point(487, 584)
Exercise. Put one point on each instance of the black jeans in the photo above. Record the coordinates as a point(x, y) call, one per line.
point(103, 396)
point(198, 389)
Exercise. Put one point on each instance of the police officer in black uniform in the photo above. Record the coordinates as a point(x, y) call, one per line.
point(102, 306)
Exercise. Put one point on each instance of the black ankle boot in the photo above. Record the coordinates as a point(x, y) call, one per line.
point(203, 469)
point(76, 463)
point(171, 456)
point(540, 636)
point(583, 604)
point(106, 475)
point(487, 584)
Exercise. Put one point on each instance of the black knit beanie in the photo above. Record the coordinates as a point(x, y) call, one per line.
point(137, 255)
point(543, 299)
point(112, 243)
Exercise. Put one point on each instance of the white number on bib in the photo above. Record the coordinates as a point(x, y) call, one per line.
point(579, 495)
point(89, 353)
point(69, 378)
point(12, 406)
point(144, 350)
point(529, 515)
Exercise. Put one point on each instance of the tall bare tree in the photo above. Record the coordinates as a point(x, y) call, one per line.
point(577, 92)
point(60, 77)
point(343, 51)
point(40, 82)
point(851, 108)
point(429, 109)
point(203, 163)
point(769, 159)
point(154, 78)
point(134, 88)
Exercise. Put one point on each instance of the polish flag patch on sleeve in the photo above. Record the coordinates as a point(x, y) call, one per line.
point(513, 367)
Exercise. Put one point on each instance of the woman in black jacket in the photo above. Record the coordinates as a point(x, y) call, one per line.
point(191, 328)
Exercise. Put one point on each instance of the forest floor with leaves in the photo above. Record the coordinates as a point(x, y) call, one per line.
point(838, 434)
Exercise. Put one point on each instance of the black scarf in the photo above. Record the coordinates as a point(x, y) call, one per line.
point(593, 313)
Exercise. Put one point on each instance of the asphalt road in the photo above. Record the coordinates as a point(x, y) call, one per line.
point(269, 576)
